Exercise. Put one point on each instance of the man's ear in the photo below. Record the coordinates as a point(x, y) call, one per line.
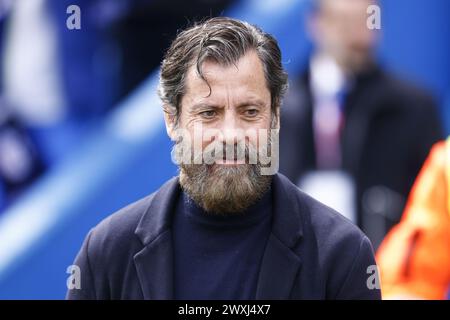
point(170, 121)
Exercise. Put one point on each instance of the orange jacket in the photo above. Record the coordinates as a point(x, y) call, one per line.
point(414, 258)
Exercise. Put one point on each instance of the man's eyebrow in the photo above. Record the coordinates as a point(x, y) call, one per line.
point(204, 106)
point(252, 102)
point(256, 103)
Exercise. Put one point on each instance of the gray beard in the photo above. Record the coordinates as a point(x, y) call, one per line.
point(224, 190)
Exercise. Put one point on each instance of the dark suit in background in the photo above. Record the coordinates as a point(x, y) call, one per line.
point(389, 129)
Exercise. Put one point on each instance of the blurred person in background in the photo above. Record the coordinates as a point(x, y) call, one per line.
point(119, 44)
point(414, 258)
point(20, 162)
point(145, 32)
point(353, 135)
point(57, 83)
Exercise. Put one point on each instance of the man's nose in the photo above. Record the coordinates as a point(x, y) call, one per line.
point(231, 132)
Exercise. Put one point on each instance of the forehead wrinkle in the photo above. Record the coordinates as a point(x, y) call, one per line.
point(231, 85)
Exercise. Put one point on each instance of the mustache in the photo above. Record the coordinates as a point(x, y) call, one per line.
point(217, 151)
point(239, 152)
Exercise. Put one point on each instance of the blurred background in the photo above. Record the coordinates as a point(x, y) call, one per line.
point(82, 131)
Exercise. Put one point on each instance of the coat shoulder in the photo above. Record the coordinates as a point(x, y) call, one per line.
point(327, 223)
point(335, 239)
point(115, 235)
point(107, 251)
point(337, 254)
point(321, 220)
point(123, 222)
point(121, 230)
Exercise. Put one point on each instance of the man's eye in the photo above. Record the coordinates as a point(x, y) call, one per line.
point(208, 114)
point(251, 112)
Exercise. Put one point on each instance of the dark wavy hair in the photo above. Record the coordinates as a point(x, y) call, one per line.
point(223, 40)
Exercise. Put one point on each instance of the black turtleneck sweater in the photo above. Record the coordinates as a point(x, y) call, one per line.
point(219, 257)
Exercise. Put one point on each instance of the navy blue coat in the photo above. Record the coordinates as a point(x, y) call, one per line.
point(312, 253)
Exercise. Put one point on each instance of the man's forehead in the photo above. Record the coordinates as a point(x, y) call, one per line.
point(247, 66)
point(245, 75)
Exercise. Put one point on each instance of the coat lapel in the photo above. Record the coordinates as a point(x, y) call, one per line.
point(281, 265)
point(279, 269)
point(154, 263)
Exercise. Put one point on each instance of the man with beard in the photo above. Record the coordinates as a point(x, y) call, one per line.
point(229, 227)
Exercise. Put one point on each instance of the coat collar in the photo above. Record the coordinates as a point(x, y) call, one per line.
point(287, 221)
point(280, 265)
point(154, 263)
